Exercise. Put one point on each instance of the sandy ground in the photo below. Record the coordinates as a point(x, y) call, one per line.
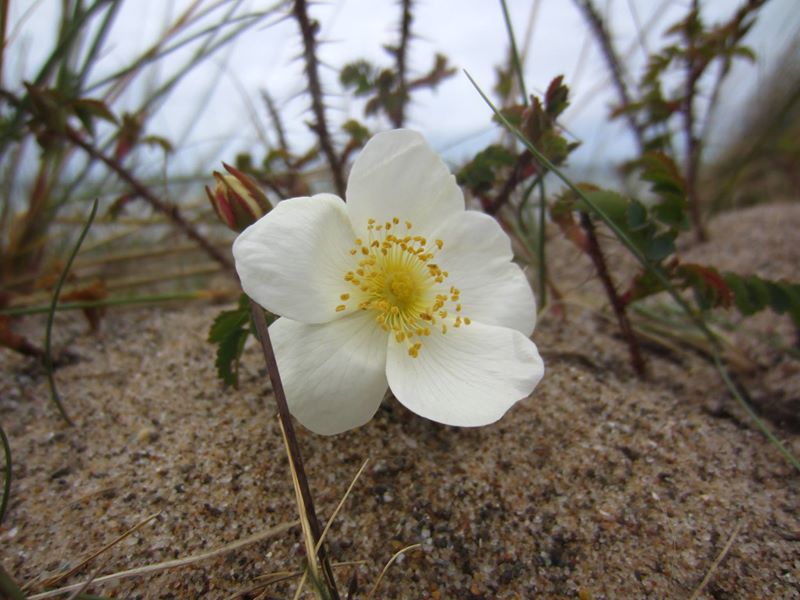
point(598, 486)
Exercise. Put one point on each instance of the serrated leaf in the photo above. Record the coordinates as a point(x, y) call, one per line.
point(229, 351)
point(229, 332)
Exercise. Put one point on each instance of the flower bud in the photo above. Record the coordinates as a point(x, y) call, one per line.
point(237, 199)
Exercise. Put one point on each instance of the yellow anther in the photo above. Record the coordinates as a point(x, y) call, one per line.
point(467, 321)
point(458, 308)
point(398, 281)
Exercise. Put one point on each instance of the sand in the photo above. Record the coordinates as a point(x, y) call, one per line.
point(599, 485)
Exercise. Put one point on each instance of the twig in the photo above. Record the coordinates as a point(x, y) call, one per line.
point(399, 117)
point(315, 90)
point(694, 69)
point(614, 64)
point(170, 210)
point(596, 254)
point(293, 449)
point(517, 175)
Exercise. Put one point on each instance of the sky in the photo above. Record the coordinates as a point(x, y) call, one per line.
point(216, 111)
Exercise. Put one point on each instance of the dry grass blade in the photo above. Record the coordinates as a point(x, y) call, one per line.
point(341, 503)
point(308, 536)
point(173, 564)
point(716, 563)
point(331, 520)
point(53, 581)
point(78, 593)
point(386, 568)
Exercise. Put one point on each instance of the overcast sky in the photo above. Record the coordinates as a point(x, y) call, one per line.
point(211, 113)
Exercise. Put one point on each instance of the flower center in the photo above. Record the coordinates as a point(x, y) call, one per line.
point(397, 279)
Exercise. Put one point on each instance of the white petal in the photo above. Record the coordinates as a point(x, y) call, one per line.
point(477, 256)
point(399, 175)
point(334, 374)
point(469, 376)
point(293, 260)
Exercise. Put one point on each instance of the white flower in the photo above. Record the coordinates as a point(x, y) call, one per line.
point(399, 287)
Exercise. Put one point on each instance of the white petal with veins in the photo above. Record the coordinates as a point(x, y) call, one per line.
point(334, 374)
point(398, 174)
point(469, 376)
point(293, 260)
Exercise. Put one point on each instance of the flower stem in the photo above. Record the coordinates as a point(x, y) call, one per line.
point(596, 254)
point(292, 447)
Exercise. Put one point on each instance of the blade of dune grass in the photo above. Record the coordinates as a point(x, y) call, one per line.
point(48, 359)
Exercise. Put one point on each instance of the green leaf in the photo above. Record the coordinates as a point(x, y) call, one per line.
point(480, 174)
point(229, 332)
point(661, 247)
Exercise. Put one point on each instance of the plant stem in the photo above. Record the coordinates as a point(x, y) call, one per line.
point(596, 254)
point(695, 66)
point(598, 28)
point(399, 118)
point(292, 446)
point(540, 250)
point(170, 210)
point(315, 89)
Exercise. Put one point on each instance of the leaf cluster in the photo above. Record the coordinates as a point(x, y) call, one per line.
point(494, 172)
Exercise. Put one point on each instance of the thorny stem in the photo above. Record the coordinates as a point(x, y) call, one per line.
point(694, 68)
point(600, 32)
point(170, 210)
point(399, 117)
point(315, 89)
point(596, 254)
point(291, 437)
point(514, 179)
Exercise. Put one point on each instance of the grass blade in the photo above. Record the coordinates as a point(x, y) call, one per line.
point(7, 479)
point(48, 359)
point(514, 53)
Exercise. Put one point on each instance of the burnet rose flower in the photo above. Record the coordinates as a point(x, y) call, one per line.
point(399, 287)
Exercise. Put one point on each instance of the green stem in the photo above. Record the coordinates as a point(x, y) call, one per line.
point(48, 359)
